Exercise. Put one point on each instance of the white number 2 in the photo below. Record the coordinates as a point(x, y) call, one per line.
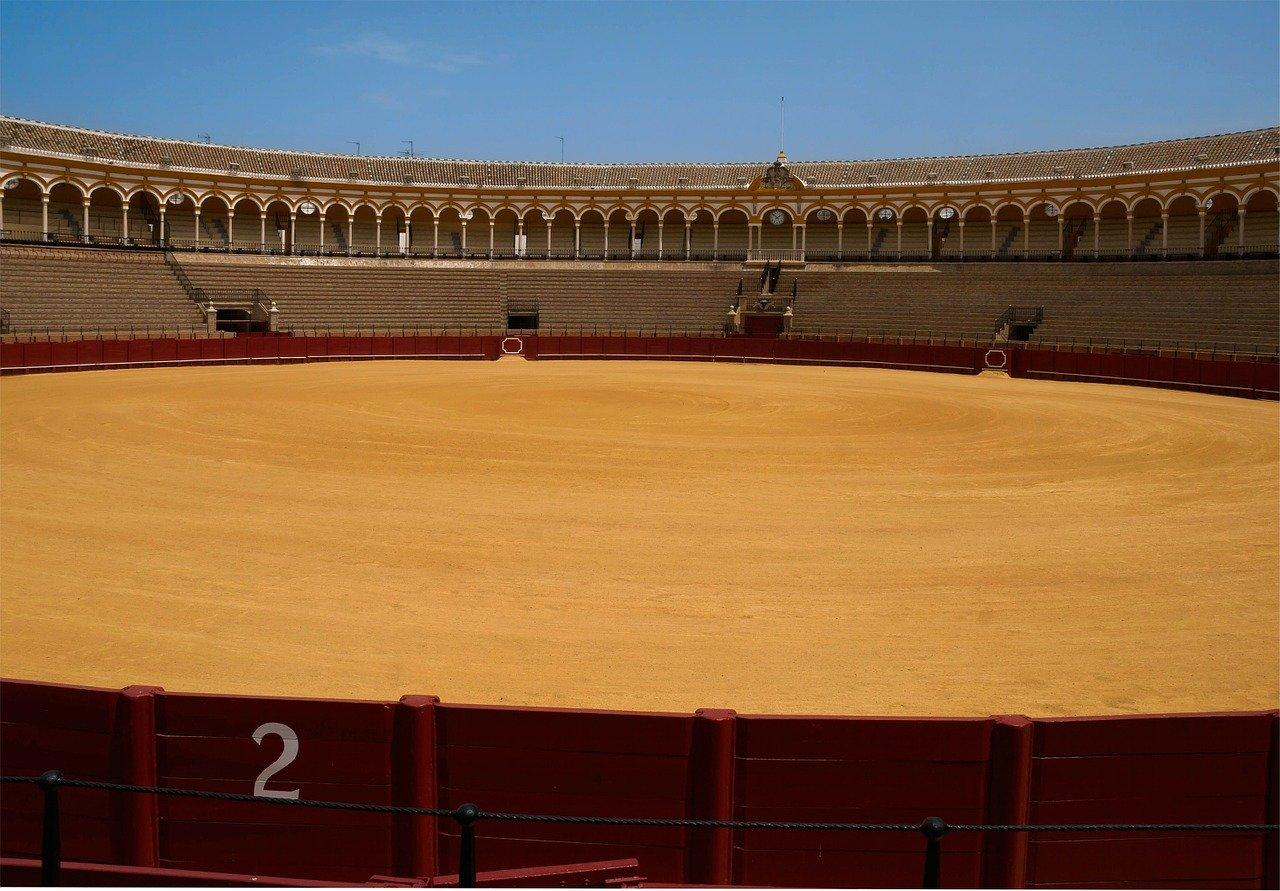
point(290, 740)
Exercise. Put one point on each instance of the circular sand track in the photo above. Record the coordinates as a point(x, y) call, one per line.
point(642, 535)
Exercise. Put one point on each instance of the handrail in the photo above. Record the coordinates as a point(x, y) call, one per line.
point(932, 828)
point(1254, 250)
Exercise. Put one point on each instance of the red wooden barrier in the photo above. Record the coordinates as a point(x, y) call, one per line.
point(321, 749)
point(858, 770)
point(1244, 377)
point(566, 762)
point(1150, 769)
point(78, 730)
point(1181, 768)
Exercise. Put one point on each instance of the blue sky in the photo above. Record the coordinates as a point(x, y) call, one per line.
point(646, 82)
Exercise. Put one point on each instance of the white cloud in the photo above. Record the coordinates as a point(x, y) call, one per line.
point(397, 51)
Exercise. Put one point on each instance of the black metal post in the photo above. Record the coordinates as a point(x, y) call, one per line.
point(466, 817)
point(51, 835)
point(933, 829)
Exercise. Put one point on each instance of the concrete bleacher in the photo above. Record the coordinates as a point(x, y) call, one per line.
point(1172, 303)
point(1226, 304)
point(46, 287)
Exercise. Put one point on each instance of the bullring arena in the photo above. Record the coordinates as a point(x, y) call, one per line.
point(776, 508)
point(643, 535)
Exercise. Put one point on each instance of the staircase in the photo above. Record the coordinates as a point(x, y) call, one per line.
point(194, 294)
point(1002, 249)
point(1217, 230)
point(77, 229)
point(1072, 231)
point(1018, 322)
point(1140, 249)
point(878, 245)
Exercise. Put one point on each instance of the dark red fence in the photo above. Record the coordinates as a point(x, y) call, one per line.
point(1258, 378)
point(712, 764)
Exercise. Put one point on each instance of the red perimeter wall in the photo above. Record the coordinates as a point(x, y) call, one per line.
point(711, 764)
point(1243, 377)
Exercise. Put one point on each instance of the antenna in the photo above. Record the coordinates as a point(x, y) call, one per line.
point(206, 137)
point(408, 153)
point(561, 138)
point(357, 145)
point(782, 123)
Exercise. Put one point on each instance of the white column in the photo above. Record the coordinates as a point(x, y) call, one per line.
point(84, 235)
point(520, 229)
point(1128, 220)
point(351, 233)
point(1097, 218)
point(320, 219)
point(196, 214)
point(231, 228)
point(899, 238)
point(1026, 236)
point(549, 222)
point(435, 236)
point(1060, 252)
point(659, 239)
point(804, 239)
point(840, 239)
point(491, 222)
point(1202, 232)
point(870, 229)
point(1164, 234)
point(993, 237)
point(44, 208)
point(606, 238)
point(1240, 234)
point(929, 225)
point(577, 239)
point(377, 235)
point(688, 239)
point(263, 234)
point(961, 225)
point(631, 241)
point(464, 238)
point(162, 238)
point(715, 240)
point(293, 232)
point(124, 221)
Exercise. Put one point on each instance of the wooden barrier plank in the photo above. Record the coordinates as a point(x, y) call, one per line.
point(565, 730)
point(952, 739)
point(853, 869)
point(1153, 734)
point(495, 770)
point(1184, 856)
point(1147, 776)
point(924, 784)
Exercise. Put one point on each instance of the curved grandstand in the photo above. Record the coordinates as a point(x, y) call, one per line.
point(295, 241)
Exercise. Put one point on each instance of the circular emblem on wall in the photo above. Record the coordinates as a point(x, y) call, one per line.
point(824, 215)
point(307, 207)
point(777, 218)
point(177, 198)
point(12, 183)
point(947, 213)
point(885, 214)
point(1051, 210)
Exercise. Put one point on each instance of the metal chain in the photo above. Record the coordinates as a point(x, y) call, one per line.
point(650, 821)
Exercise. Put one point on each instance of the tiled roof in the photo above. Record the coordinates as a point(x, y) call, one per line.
point(1228, 148)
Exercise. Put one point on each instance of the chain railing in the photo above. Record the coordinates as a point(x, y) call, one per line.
point(933, 829)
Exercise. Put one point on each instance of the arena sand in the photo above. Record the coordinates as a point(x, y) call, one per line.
point(642, 535)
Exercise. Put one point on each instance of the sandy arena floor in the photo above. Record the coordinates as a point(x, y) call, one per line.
point(642, 535)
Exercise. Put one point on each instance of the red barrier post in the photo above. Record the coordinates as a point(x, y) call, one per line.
point(1271, 844)
point(140, 827)
point(709, 852)
point(413, 753)
point(1004, 854)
